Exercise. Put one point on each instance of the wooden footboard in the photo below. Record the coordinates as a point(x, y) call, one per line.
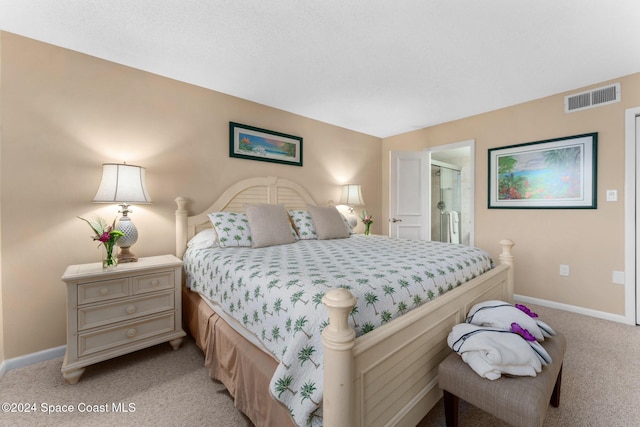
point(389, 376)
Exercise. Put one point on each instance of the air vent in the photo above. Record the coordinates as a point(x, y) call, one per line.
point(593, 98)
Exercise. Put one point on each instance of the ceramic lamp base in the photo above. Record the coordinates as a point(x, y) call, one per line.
point(125, 242)
point(126, 255)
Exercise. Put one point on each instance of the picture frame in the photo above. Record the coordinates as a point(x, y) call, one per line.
point(558, 173)
point(249, 142)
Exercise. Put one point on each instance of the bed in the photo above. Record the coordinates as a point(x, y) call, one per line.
point(386, 376)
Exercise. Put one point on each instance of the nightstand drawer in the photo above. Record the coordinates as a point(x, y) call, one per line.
point(103, 291)
point(99, 315)
point(125, 334)
point(152, 282)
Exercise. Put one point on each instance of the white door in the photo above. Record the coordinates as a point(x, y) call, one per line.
point(409, 181)
point(637, 227)
point(632, 221)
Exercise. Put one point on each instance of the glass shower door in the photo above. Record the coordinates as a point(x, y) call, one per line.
point(446, 203)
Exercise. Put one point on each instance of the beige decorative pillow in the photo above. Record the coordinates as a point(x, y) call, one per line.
point(269, 224)
point(328, 222)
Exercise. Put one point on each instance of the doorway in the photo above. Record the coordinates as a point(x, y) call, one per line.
point(410, 191)
point(446, 202)
point(456, 162)
point(632, 207)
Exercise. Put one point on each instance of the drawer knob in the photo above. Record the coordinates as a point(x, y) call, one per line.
point(155, 282)
point(131, 309)
point(104, 291)
point(131, 333)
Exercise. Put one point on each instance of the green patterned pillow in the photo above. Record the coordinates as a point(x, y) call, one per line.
point(304, 224)
point(232, 228)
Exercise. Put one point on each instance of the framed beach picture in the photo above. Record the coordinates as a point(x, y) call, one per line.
point(557, 173)
point(248, 142)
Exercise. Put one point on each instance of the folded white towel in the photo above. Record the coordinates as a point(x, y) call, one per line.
point(501, 314)
point(490, 352)
point(547, 331)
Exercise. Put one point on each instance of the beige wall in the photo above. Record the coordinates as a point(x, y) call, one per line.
point(64, 114)
point(591, 242)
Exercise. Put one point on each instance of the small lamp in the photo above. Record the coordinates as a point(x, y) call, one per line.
point(352, 196)
point(123, 184)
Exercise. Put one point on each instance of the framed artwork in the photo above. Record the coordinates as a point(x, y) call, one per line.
point(553, 174)
point(248, 142)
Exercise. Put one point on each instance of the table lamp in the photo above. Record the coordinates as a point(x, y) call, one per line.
point(123, 184)
point(351, 197)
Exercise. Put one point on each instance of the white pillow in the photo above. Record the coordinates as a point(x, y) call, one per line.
point(347, 223)
point(269, 224)
point(232, 228)
point(204, 240)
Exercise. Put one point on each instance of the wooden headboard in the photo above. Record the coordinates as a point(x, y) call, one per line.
point(270, 189)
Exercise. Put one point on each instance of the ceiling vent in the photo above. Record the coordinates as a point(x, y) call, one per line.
point(592, 98)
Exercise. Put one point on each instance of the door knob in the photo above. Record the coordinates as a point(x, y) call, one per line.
point(396, 220)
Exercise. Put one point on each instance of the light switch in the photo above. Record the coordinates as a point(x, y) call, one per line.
point(612, 195)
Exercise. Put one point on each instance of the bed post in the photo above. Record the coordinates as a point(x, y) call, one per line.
point(506, 258)
point(181, 226)
point(338, 339)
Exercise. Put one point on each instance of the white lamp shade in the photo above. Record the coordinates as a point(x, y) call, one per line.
point(351, 195)
point(122, 183)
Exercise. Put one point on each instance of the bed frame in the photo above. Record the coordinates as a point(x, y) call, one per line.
point(388, 376)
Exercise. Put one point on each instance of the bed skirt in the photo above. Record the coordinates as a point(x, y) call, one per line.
point(244, 369)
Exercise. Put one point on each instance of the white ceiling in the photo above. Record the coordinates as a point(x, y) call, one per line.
point(380, 67)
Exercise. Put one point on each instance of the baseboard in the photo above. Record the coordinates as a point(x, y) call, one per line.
point(30, 359)
point(572, 308)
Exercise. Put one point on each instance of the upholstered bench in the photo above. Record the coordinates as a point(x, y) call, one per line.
point(520, 401)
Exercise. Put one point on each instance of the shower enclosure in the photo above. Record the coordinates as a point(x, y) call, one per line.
point(446, 202)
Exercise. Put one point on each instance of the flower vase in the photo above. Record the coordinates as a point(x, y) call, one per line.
point(109, 260)
point(366, 229)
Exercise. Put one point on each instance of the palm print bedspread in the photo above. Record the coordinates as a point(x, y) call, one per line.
point(276, 293)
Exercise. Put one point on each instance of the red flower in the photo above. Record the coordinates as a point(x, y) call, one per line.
point(104, 233)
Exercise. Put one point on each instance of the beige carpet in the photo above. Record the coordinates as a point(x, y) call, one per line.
point(166, 387)
point(600, 378)
point(600, 387)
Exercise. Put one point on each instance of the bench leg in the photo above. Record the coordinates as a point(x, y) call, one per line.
point(451, 409)
point(555, 396)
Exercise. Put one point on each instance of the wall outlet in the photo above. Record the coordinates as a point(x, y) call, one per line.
point(564, 270)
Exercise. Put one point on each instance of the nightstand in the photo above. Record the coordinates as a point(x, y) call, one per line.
point(114, 312)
